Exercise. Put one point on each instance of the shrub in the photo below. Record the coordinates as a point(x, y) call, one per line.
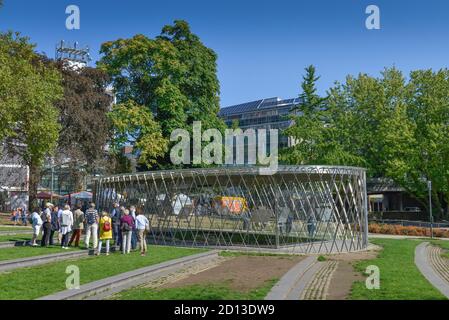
point(407, 231)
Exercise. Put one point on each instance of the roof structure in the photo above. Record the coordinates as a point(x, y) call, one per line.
point(299, 209)
point(262, 104)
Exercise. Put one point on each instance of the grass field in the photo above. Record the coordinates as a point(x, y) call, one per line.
point(26, 252)
point(400, 279)
point(34, 282)
point(218, 291)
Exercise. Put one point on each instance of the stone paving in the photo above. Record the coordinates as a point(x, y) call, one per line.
point(292, 284)
point(439, 263)
point(318, 288)
point(432, 266)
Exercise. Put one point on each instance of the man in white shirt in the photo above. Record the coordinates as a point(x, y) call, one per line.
point(66, 223)
point(37, 223)
point(142, 225)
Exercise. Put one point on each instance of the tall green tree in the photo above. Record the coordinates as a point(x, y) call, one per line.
point(395, 128)
point(85, 129)
point(28, 91)
point(198, 80)
point(309, 119)
point(173, 76)
point(428, 151)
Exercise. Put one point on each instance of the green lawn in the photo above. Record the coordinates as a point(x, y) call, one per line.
point(217, 291)
point(400, 279)
point(34, 282)
point(26, 252)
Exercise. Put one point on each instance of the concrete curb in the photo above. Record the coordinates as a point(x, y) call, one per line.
point(22, 243)
point(11, 244)
point(293, 283)
point(38, 260)
point(14, 233)
point(425, 267)
point(123, 280)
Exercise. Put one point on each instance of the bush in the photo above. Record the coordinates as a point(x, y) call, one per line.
point(407, 231)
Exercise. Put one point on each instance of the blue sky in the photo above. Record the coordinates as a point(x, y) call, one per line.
point(262, 46)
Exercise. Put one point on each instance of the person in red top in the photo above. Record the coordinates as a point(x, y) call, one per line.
point(127, 226)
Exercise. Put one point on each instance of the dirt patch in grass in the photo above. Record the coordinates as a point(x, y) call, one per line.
point(242, 273)
point(345, 275)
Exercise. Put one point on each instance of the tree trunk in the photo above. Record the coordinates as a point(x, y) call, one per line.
point(77, 177)
point(35, 174)
point(437, 214)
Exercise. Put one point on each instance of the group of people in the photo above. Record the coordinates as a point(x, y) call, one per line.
point(125, 226)
point(19, 214)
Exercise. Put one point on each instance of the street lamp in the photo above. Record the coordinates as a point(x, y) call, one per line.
point(52, 178)
point(429, 188)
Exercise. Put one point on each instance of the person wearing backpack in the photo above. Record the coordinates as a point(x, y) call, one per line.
point(126, 226)
point(66, 222)
point(78, 226)
point(91, 218)
point(105, 232)
point(47, 211)
point(36, 223)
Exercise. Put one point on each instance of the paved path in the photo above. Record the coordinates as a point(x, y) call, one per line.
point(433, 267)
point(11, 244)
point(293, 283)
point(439, 263)
point(15, 232)
point(21, 243)
point(309, 248)
point(392, 236)
point(317, 289)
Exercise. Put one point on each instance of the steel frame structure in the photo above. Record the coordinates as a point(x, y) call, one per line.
point(303, 209)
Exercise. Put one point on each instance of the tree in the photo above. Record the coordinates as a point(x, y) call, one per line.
point(198, 78)
point(28, 90)
point(394, 128)
point(135, 125)
point(309, 123)
point(84, 124)
point(172, 76)
point(428, 150)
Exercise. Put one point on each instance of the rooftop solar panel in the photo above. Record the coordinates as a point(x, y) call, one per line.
point(256, 105)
